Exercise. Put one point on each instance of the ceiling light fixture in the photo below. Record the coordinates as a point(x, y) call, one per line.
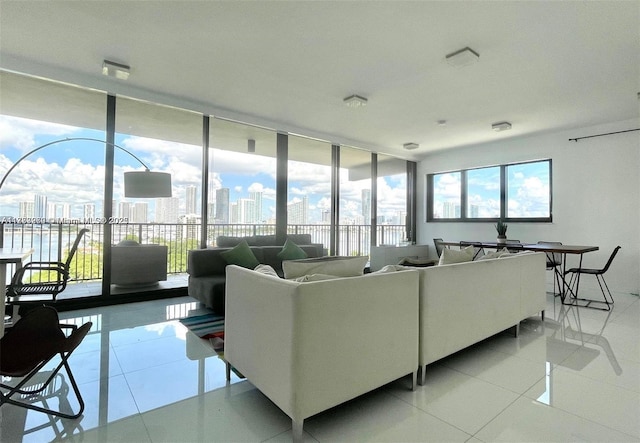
point(410, 146)
point(355, 101)
point(442, 122)
point(502, 126)
point(463, 57)
point(117, 70)
point(251, 145)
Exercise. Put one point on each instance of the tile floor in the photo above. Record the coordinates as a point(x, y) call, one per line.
point(146, 378)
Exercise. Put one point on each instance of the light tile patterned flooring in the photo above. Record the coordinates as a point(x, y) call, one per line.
point(145, 378)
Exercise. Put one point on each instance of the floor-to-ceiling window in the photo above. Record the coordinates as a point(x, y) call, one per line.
point(167, 140)
point(354, 232)
point(309, 188)
point(242, 196)
point(242, 180)
point(391, 209)
point(56, 190)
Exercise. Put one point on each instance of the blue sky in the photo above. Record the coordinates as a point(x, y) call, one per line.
point(73, 171)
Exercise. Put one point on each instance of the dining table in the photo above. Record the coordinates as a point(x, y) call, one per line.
point(9, 256)
point(549, 248)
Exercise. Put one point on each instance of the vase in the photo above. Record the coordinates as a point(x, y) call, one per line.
point(502, 239)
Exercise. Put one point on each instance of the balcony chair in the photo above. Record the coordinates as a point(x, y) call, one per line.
point(599, 273)
point(554, 262)
point(26, 349)
point(18, 288)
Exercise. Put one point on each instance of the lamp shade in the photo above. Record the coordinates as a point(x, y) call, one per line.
point(141, 184)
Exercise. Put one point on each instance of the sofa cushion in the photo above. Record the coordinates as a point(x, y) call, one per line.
point(451, 256)
point(338, 266)
point(267, 270)
point(241, 255)
point(291, 251)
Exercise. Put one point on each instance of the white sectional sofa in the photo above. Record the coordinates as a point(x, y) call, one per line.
point(464, 303)
point(309, 346)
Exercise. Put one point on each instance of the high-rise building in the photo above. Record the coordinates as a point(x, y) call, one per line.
point(297, 212)
point(366, 204)
point(167, 210)
point(246, 211)
point(222, 205)
point(25, 210)
point(89, 211)
point(191, 194)
point(125, 210)
point(40, 206)
point(257, 198)
point(140, 211)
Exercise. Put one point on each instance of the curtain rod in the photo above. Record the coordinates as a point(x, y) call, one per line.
point(601, 135)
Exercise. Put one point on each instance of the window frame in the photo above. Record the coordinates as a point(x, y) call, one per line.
point(503, 196)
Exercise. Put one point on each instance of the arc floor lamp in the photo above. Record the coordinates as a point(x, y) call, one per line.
point(137, 184)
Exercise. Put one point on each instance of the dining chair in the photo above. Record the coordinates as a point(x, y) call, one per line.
point(478, 249)
point(575, 274)
point(26, 349)
point(554, 262)
point(513, 245)
point(439, 246)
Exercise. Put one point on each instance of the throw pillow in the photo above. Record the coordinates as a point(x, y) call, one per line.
point(314, 277)
point(267, 270)
point(241, 255)
point(451, 256)
point(338, 266)
point(291, 251)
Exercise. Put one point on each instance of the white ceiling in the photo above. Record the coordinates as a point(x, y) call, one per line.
point(288, 65)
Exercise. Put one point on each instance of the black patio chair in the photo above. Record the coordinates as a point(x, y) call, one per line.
point(26, 349)
point(20, 290)
point(599, 273)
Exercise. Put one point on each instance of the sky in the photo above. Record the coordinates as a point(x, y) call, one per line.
point(73, 172)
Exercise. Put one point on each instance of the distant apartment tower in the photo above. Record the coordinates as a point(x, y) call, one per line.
point(366, 204)
point(63, 210)
point(297, 212)
point(51, 210)
point(257, 199)
point(89, 211)
point(326, 217)
point(191, 194)
point(245, 211)
point(125, 210)
point(222, 205)
point(140, 213)
point(167, 210)
point(450, 210)
point(40, 206)
point(25, 209)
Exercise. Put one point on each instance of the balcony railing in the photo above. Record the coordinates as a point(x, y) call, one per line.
point(51, 242)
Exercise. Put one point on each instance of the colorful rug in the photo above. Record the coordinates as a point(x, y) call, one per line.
point(205, 326)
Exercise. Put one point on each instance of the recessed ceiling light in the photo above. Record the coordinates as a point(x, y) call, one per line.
point(355, 101)
point(410, 146)
point(502, 126)
point(117, 70)
point(442, 123)
point(463, 57)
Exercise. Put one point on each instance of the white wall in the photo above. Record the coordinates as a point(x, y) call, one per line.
point(596, 195)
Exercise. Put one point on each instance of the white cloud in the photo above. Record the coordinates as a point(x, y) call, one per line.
point(19, 133)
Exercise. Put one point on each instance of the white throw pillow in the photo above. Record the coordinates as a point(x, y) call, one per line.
point(267, 270)
point(315, 277)
point(338, 266)
point(451, 256)
point(390, 268)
